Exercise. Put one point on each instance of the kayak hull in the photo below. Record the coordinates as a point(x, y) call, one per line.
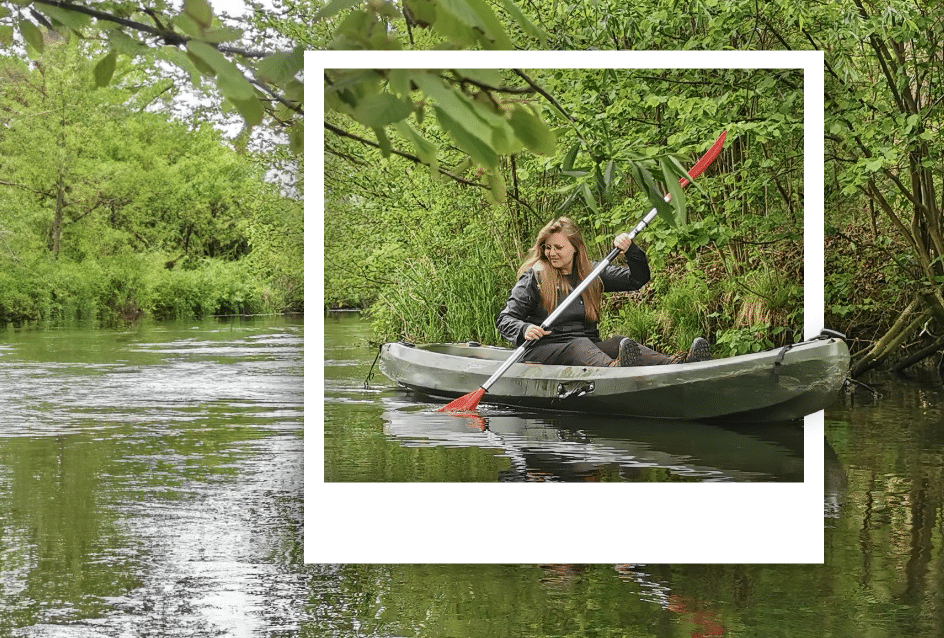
point(774, 385)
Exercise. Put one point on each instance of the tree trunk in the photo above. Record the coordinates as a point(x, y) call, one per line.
point(907, 322)
point(55, 231)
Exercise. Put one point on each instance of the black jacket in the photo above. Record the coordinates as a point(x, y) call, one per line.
point(524, 303)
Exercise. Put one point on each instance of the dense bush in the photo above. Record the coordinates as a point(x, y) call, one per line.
point(110, 212)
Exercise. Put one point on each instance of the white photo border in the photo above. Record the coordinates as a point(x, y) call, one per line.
point(563, 523)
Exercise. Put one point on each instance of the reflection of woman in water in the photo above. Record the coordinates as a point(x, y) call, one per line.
point(556, 264)
point(706, 622)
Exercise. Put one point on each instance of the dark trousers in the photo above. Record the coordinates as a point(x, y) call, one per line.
point(582, 351)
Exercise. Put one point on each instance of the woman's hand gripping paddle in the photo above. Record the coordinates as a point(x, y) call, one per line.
point(468, 402)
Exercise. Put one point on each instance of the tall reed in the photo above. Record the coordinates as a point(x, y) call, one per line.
point(453, 301)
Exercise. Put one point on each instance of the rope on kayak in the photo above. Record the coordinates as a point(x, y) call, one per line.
point(824, 334)
point(779, 358)
point(370, 373)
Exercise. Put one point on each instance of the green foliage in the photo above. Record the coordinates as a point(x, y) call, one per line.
point(669, 321)
point(258, 84)
point(637, 320)
point(214, 288)
point(107, 213)
point(120, 289)
point(388, 224)
point(455, 301)
point(683, 310)
point(883, 79)
point(737, 341)
point(467, 105)
point(451, 23)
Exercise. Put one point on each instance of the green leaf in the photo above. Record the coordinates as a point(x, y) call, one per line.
point(6, 35)
point(488, 77)
point(675, 190)
point(524, 22)
point(479, 150)
point(497, 189)
point(252, 110)
point(460, 109)
point(608, 174)
point(70, 19)
point(423, 11)
point(568, 164)
point(463, 167)
point(296, 137)
point(200, 11)
point(184, 60)
point(401, 81)
point(588, 197)
point(123, 43)
point(32, 35)
point(681, 171)
point(386, 148)
point(333, 8)
point(649, 186)
point(470, 22)
point(188, 25)
point(425, 149)
point(380, 109)
point(504, 141)
point(532, 131)
point(216, 35)
point(105, 69)
point(281, 68)
point(493, 27)
point(598, 180)
point(229, 78)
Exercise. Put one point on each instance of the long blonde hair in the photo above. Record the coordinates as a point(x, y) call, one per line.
point(550, 279)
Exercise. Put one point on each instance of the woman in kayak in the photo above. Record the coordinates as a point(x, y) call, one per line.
point(555, 265)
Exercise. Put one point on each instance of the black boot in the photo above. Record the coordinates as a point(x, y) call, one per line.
point(628, 353)
point(700, 351)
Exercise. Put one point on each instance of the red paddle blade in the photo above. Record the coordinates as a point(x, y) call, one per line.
point(705, 160)
point(465, 403)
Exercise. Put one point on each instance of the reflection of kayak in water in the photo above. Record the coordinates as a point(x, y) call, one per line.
point(563, 447)
point(774, 385)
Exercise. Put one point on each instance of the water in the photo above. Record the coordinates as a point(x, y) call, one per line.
point(171, 505)
point(383, 433)
point(883, 517)
point(150, 479)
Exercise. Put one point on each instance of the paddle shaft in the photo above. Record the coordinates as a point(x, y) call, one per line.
point(565, 303)
point(471, 400)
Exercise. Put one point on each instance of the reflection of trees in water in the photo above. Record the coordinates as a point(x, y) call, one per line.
point(56, 529)
point(885, 476)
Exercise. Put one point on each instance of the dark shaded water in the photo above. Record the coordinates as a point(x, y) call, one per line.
point(384, 433)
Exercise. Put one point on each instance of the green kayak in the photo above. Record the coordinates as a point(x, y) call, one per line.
point(774, 385)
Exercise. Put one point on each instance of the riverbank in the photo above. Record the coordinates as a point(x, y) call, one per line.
point(110, 291)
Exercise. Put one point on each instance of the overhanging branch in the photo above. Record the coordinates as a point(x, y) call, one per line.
point(413, 158)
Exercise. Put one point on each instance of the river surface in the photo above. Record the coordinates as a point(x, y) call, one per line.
point(151, 485)
point(151, 479)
